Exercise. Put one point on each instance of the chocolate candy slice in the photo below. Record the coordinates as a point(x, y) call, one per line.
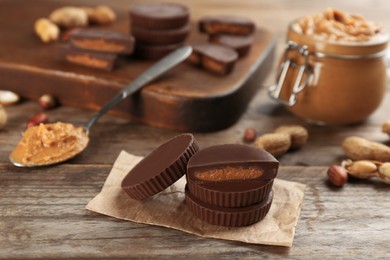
point(161, 168)
point(226, 25)
point(154, 52)
point(213, 57)
point(102, 40)
point(103, 61)
point(241, 44)
point(160, 37)
point(159, 16)
point(229, 217)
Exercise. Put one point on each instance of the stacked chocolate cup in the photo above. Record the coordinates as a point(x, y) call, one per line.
point(158, 28)
point(230, 185)
point(227, 185)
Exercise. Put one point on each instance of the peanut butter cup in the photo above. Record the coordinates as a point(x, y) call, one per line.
point(160, 37)
point(241, 44)
point(161, 168)
point(225, 24)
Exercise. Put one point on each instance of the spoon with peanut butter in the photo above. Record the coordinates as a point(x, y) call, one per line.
point(53, 143)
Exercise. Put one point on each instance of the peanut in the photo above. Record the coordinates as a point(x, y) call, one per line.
point(298, 134)
point(3, 117)
point(8, 98)
point(363, 169)
point(40, 118)
point(358, 148)
point(47, 102)
point(68, 17)
point(249, 135)
point(274, 143)
point(46, 30)
point(386, 128)
point(337, 175)
point(100, 14)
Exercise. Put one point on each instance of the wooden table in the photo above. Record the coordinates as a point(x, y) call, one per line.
point(42, 212)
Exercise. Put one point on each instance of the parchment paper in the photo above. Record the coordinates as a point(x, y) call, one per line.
point(168, 209)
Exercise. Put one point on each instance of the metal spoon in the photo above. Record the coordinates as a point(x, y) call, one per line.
point(146, 77)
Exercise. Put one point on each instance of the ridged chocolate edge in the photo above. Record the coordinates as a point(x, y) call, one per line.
point(229, 199)
point(160, 37)
point(166, 178)
point(229, 219)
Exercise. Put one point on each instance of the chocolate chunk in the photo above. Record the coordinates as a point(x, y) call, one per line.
point(213, 57)
point(154, 52)
point(102, 40)
point(160, 37)
point(232, 163)
point(226, 25)
point(104, 61)
point(241, 44)
point(229, 217)
point(161, 168)
point(159, 16)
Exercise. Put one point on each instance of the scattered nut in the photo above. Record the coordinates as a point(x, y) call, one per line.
point(386, 128)
point(8, 98)
point(299, 134)
point(363, 169)
point(274, 143)
point(37, 119)
point(337, 175)
point(100, 15)
point(358, 148)
point(3, 117)
point(250, 135)
point(68, 17)
point(46, 30)
point(47, 102)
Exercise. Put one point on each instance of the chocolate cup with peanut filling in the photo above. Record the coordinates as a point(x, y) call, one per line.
point(231, 175)
point(154, 52)
point(241, 44)
point(160, 37)
point(102, 40)
point(213, 57)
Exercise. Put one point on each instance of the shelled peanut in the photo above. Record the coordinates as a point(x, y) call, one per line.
point(3, 117)
point(283, 139)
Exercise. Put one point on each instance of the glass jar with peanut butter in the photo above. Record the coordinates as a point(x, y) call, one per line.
point(333, 69)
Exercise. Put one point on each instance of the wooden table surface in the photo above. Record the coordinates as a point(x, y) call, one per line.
point(43, 215)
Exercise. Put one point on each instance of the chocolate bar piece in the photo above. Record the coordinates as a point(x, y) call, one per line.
point(102, 40)
point(213, 57)
point(241, 44)
point(226, 25)
point(231, 175)
point(103, 61)
point(161, 168)
point(159, 16)
point(229, 217)
point(154, 52)
point(160, 37)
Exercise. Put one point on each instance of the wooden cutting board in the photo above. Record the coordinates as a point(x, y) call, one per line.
point(184, 99)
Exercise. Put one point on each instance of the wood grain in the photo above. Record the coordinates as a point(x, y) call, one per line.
point(42, 211)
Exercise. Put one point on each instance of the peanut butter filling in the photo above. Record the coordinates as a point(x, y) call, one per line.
point(49, 143)
point(86, 59)
point(98, 45)
point(337, 25)
point(229, 173)
point(213, 65)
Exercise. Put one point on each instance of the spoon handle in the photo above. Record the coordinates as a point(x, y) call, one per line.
point(146, 77)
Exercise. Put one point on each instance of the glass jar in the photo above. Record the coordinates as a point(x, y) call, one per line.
point(331, 82)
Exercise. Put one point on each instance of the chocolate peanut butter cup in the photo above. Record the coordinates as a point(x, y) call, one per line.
point(161, 168)
point(229, 217)
point(154, 52)
point(159, 16)
point(226, 25)
point(231, 175)
point(102, 40)
point(160, 37)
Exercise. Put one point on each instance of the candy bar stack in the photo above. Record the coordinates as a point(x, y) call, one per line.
point(158, 28)
point(97, 48)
